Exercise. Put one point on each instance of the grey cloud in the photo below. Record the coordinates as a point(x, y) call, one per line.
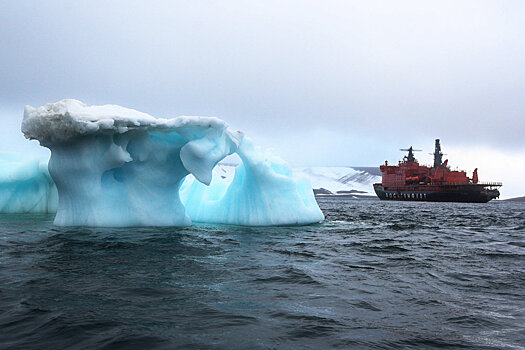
point(374, 71)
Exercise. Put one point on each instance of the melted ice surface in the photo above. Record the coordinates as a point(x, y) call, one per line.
point(114, 166)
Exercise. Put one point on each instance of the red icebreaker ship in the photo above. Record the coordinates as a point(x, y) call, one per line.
point(409, 181)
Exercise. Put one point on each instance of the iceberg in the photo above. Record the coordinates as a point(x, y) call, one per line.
point(114, 166)
point(263, 192)
point(26, 187)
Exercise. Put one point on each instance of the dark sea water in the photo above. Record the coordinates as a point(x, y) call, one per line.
point(378, 275)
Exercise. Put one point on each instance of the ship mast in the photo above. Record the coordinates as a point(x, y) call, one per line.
point(410, 157)
point(438, 155)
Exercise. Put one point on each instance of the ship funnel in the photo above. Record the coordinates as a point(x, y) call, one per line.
point(438, 155)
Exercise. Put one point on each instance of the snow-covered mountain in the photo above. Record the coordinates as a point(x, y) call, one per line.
point(327, 180)
point(341, 180)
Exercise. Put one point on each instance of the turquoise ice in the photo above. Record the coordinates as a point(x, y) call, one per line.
point(26, 186)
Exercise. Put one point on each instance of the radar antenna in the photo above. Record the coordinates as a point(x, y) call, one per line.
point(410, 157)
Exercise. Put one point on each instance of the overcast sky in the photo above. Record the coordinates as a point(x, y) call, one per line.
point(322, 82)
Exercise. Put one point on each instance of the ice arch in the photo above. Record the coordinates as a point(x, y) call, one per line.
point(114, 166)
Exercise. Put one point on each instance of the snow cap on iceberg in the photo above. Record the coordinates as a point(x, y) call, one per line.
point(66, 119)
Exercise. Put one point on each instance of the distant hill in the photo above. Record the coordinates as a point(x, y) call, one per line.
point(516, 199)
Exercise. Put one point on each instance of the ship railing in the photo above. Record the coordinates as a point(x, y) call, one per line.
point(490, 184)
